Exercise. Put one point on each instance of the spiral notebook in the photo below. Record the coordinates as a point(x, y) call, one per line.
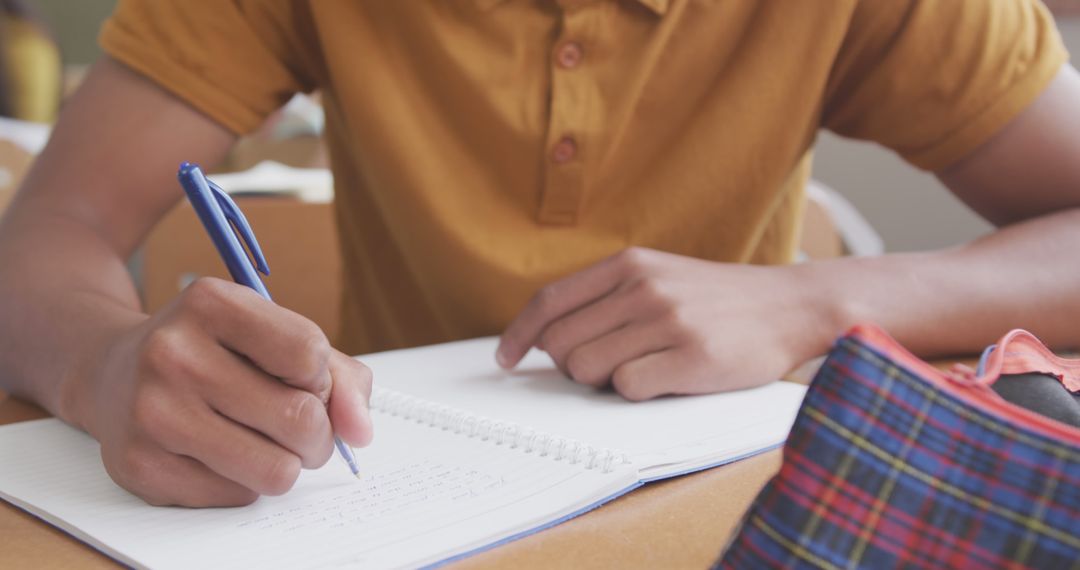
point(465, 457)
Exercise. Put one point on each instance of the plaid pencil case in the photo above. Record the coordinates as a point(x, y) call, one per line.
point(892, 463)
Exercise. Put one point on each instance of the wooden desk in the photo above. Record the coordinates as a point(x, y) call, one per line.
point(679, 523)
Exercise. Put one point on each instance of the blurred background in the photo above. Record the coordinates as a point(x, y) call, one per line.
point(908, 208)
point(75, 24)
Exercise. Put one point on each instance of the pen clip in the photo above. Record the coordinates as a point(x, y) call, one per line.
point(233, 214)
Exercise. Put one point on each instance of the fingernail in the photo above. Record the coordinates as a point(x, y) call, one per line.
point(500, 358)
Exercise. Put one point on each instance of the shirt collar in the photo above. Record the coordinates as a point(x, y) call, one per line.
point(659, 7)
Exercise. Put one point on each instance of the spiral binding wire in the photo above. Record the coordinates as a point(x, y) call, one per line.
point(510, 434)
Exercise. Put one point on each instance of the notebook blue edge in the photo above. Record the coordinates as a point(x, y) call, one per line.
point(598, 504)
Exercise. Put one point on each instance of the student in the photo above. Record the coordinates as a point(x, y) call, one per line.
point(635, 167)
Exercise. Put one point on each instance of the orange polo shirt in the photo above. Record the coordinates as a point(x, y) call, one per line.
point(483, 148)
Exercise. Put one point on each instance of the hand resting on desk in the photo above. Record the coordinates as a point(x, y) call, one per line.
point(650, 323)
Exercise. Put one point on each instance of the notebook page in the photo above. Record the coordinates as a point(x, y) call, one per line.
point(424, 495)
point(662, 437)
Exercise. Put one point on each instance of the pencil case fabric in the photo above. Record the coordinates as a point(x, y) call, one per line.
point(892, 463)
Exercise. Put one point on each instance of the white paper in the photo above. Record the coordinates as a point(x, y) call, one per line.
point(30, 136)
point(424, 495)
point(662, 436)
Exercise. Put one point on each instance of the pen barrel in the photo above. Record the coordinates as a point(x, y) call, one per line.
point(220, 229)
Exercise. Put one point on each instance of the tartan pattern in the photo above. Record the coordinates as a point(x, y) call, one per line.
point(884, 469)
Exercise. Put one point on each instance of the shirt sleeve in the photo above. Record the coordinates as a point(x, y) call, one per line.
point(236, 61)
point(934, 79)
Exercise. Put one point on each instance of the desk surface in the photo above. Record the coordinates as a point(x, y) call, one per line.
point(678, 523)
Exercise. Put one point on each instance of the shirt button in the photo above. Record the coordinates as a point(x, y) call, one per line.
point(569, 55)
point(564, 151)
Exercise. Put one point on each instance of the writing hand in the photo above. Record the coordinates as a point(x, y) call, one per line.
point(650, 323)
point(221, 397)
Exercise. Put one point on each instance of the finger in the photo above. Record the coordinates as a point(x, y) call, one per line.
point(293, 418)
point(651, 375)
point(282, 343)
point(588, 323)
point(349, 412)
point(554, 301)
point(634, 301)
point(643, 378)
point(161, 478)
point(227, 448)
point(595, 362)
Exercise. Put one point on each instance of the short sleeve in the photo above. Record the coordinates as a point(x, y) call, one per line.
point(236, 61)
point(934, 79)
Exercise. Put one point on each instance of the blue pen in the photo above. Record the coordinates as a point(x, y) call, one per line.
point(216, 210)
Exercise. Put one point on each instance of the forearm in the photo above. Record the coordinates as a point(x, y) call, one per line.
point(104, 179)
point(956, 301)
point(64, 292)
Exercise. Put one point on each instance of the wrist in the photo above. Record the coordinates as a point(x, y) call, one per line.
point(74, 393)
point(896, 291)
point(84, 382)
point(827, 306)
